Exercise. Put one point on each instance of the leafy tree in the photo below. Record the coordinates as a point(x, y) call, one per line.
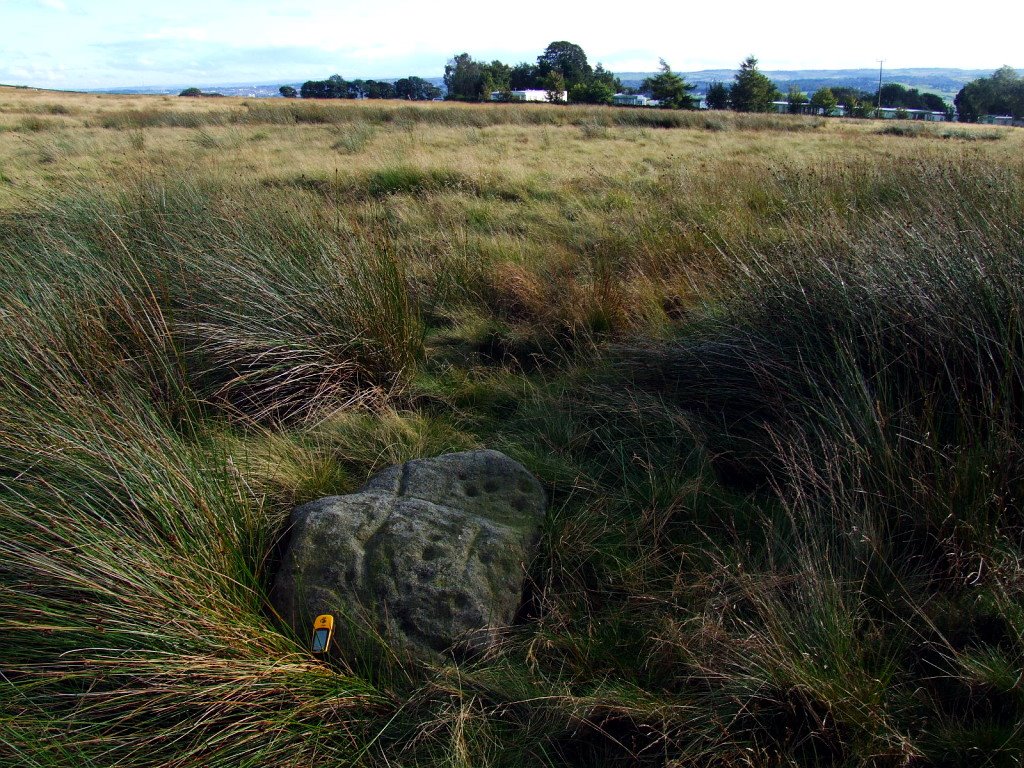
point(717, 96)
point(554, 84)
point(859, 107)
point(751, 90)
point(608, 78)
point(191, 92)
point(598, 88)
point(468, 80)
point(378, 89)
point(464, 78)
point(315, 89)
point(858, 103)
point(593, 92)
point(1000, 94)
point(898, 95)
point(523, 77)
point(288, 91)
point(333, 87)
point(796, 99)
point(669, 88)
point(416, 89)
point(966, 103)
point(933, 102)
point(850, 97)
point(338, 88)
point(825, 100)
point(566, 58)
point(495, 77)
point(404, 88)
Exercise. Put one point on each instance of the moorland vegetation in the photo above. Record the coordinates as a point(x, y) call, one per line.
point(769, 370)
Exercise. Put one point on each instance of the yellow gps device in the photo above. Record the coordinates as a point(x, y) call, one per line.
point(323, 632)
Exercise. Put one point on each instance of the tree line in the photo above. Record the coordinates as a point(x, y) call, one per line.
point(564, 71)
point(1000, 94)
point(561, 69)
point(411, 88)
point(859, 103)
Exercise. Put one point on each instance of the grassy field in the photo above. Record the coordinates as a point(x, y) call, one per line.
point(770, 370)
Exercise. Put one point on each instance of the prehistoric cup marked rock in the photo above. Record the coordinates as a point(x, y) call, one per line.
point(434, 550)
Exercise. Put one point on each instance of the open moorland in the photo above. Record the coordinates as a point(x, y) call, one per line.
point(769, 370)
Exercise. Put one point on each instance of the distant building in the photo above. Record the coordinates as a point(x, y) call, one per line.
point(806, 108)
point(894, 113)
point(530, 94)
point(885, 113)
point(996, 119)
point(634, 100)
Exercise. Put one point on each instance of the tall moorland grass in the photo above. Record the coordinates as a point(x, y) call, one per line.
point(775, 402)
point(448, 115)
point(270, 317)
point(133, 113)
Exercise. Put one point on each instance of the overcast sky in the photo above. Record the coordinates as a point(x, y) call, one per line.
point(106, 43)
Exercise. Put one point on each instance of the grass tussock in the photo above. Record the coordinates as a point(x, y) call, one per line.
point(220, 285)
point(917, 130)
point(407, 180)
point(770, 382)
point(353, 140)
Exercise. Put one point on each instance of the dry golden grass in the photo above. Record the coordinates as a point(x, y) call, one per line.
point(49, 141)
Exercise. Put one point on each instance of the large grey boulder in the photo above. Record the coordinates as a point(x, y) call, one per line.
point(433, 551)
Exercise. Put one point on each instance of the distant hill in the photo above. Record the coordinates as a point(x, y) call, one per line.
point(247, 90)
point(943, 81)
point(261, 91)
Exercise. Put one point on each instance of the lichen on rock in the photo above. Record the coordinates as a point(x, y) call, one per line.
point(434, 551)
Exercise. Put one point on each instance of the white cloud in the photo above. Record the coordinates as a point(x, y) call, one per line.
point(194, 34)
point(22, 71)
point(56, 5)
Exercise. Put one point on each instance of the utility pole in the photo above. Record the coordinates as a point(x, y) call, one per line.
point(880, 63)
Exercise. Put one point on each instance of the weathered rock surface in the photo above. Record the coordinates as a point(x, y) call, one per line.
point(434, 551)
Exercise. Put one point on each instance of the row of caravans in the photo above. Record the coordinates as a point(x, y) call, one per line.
point(1001, 120)
point(619, 99)
point(884, 113)
point(640, 100)
point(894, 113)
point(530, 94)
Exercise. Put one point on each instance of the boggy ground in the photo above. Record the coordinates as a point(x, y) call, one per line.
point(768, 369)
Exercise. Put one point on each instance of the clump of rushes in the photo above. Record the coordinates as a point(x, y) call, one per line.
point(130, 579)
point(263, 310)
point(874, 388)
